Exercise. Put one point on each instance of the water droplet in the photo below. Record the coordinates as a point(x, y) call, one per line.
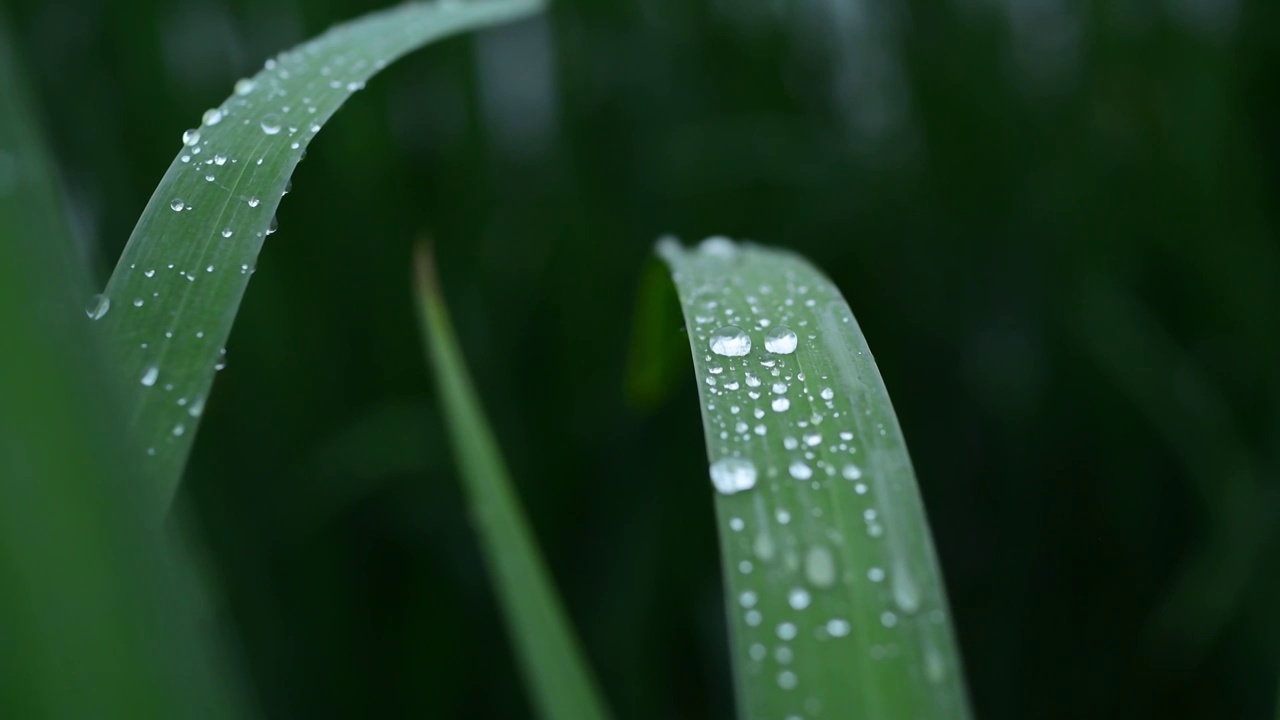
point(812, 439)
point(780, 341)
point(196, 408)
point(787, 631)
point(179, 429)
point(219, 160)
point(273, 226)
point(150, 375)
point(905, 593)
point(780, 404)
point(271, 124)
point(212, 117)
point(177, 205)
point(846, 436)
point(221, 361)
point(730, 475)
point(783, 516)
point(787, 680)
point(758, 651)
point(718, 246)
point(888, 619)
point(747, 599)
point(736, 524)
point(875, 574)
point(149, 273)
point(800, 470)
point(798, 598)
point(828, 393)
point(838, 628)
point(138, 302)
point(97, 307)
point(253, 202)
point(820, 567)
point(244, 86)
point(754, 618)
point(851, 472)
point(730, 341)
point(190, 138)
point(752, 380)
point(779, 388)
point(228, 233)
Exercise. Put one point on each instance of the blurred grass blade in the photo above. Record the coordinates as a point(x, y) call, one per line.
point(554, 667)
point(96, 617)
point(833, 594)
point(171, 301)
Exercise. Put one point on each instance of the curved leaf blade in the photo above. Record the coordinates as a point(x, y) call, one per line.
point(175, 292)
point(833, 594)
point(555, 669)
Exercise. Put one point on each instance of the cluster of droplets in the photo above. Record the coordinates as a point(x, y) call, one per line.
point(761, 388)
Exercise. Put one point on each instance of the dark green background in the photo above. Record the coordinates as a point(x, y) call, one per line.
point(1056, 222)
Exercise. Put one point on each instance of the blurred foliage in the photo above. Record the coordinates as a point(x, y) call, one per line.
point(1055, 221)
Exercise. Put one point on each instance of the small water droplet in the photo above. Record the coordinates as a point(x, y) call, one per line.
point(875, 575)
point(138, 302)
point(150, 375)
point(149, 273)
point(800, 470)
point(851, 472)
point(730, 475)
point(177, 205)
point(753, 618)
point(888, 619)
point(97, 307)
point(798, 598)
point(212, 117)
point(846, 436)
point(838, 628)
point(812, 439)
point(828, 393)
point(787, 631)
point(271, 124)
point(244, 86)
point(253, 202)
point(780, 404)
point(779, 388)
point(179, 429)
point(730, 341)
point(219, 160)
point(820, 567)
point(780, 341)
point(747, 599)
point(190, 138)
point(228, 233)
point(221, 361)
point(787, 680)
point(273, 226)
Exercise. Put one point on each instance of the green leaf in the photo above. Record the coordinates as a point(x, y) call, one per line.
point(98, 617)
point(175, 292)
point(555, 670)
point(833, 594)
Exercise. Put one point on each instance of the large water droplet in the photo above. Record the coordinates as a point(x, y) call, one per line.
point(271, 124)
point(780, 404)
point(730, 341)
point(177, 205)
point(730, 475)
point(190, 138)
point(97, 307)
point(719, 246)
point(780, 341)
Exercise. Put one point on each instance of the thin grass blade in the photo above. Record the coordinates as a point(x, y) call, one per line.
point(834, 598)
point(555, 670)
point(97, 612)
point(171, 301)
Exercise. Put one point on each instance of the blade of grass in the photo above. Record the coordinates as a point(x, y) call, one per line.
point(555, 670)
point(833, 594)
point(175, 292)
point(97, 615)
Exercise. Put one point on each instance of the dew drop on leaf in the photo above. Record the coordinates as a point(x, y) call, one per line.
point(97, 307)
point(150, 375)
point(730, 341)
point(780, 341)
point(730, 475)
